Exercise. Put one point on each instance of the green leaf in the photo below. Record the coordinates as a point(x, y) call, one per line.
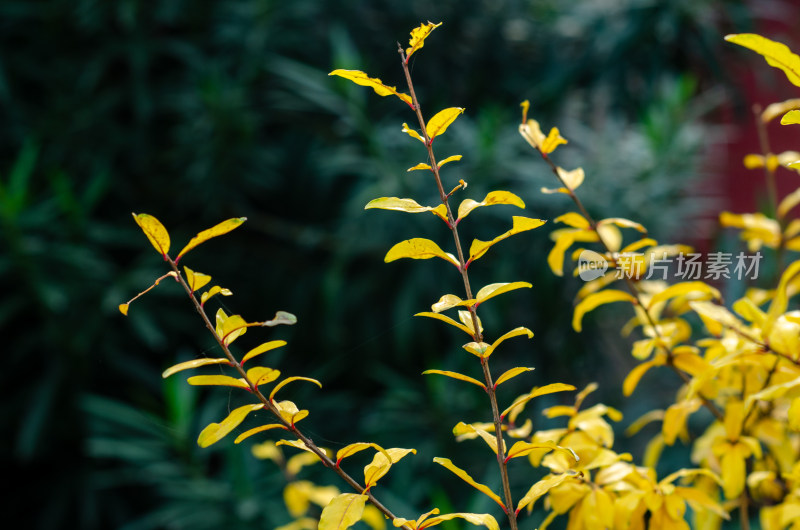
point(289, 380)
point(188, 365)
point(463, 475)
point(520, 224)
point(513, 372)
point(418, 36)
point(217, 431)
point(342, 512)
point(395, 203)
point(262, 348)
point(492, 198)
point(595, 300)
point(217, 380)
point(418, 248)
point(776, 54)
point(441, 121)
point(456, 375)
point(222, 228)
point(360, 78)
point(155, 232)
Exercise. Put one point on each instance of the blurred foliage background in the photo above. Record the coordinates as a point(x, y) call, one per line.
point(199, 111)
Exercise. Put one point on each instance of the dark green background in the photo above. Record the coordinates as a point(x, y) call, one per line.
point(199, 111)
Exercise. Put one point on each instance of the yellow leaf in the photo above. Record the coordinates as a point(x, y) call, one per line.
point(776, 109)
point(449, 301)
point(781, 299)
point(622, 223)
point(597, 299)
point(222, 228)
point(418, 248)
point(564, 239)
point(260, 375)
point(572, 219)
point(553, 140)
point(791, 118)
point(262, 348)
point(342, 512)
point(733, 469)
point(466, 318)
point(213, 292)
point(123, 308)
point(401, 205)
point(635, 375)
point(495, 289)
point(360, 78)
point(381, 463)
point(476, 348)
point(715, 317)
point(419, 167)
point(492, 198)
point(296, 497)
point(513, 372)
point(702, 289)
point(776, 54)
point(541, 488)
point(354, 448)
point(572, 179)
point(215, 432)
point(520, 224)
point(256, 430)
point(289, 380)
point(453, 158)
point(491, 440)
point(418, 36)
point(304, 523)
point(298, 462)
point(413, 134)
point(475, 518)
point(456, 375)
point(541, 391)
point(516, 332)
point(675, 419)
point(788, 202)
point(229, 328)
point(217, 380)
point(155, 232)
point(522, 448)
point(447, 319)
point(441, 121)
point(373, 518)
point(289, 412)
point(192, 364)
point(196, 280)
point(463, 475)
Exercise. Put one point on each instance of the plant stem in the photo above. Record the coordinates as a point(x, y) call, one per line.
point(326, 460)
point(477, 335)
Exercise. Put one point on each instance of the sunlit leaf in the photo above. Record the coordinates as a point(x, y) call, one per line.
point(215, 432)
point(453, 158)
point(475, 518)
point(373, 517)
point(215, 290)
point(418, 36)
point(572, 179)
point(775, 53)
point(449, 301)
point(256, 430)
point(381, 463)
point(222, 228)
point(360, 78)
point(774, 110)
point(564, 238)
point(155, 232)
point(522, 448)
point(342, 512)
point(536, 392)
point(299, 444)
point(516, 332)
point(781, 299)
point(395, 203)
point(675, 418)
point(788, 202)
point(622, 223)
point(196, 280)
point(492, 198)
point(413, 134)
point(456, 375)
point(465, 428)
point(123, 308)
point(441, 121)
point(463, 475)
point(261, 375)
point(445, 318)
point(635, 375)
point(595, 300)
point(354, 448)
point(468, 319)
point(289, 411)
point(572, 219)
point(541, 488)
point(262, 348)
point(289, 380)
point(476, 348)
point(520, 224)
point(418, 167)
point(217, 380)
point(532, 132)
point(495, 289)
point(699, 291)
point(418, 248)
point(791, 118)
point(192, 364)
point(229, 328)
point(513, 372)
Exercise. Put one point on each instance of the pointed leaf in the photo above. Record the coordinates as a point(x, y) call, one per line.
point(597, 299)
point(413, 134)
point(541, 488)
point(462, 429)
point(381, 463)
point(354, 448)
point(261, 375)
point(453, 158)
point(475, 518)
point(155, 232)
point(360, 78)
point(635, 375)
point(395, 203)
point(289, 412)
point(572, 179)
point(774, 110)
point(516, 332)
point(494, 289)
point(222, 228)
point(196, 280)
point(573, 219)
point(289, 380)
point(791, 118)
point(447, 319)
point(520, 224)
point(492, 198)
point(123, 308)
point(513, 372)
point(522, 448)
point(188, 365)
point(456, 375)
point(419, 167)
point(541, 391)
point(463, 475)
point(217, 380)
point(564, 239)
point(702, 289)
point(449, 301)
point(256, 430)
point(418, 248)
point(441, 121)
point(212, 292)
point(262, 348)
point(418, 36)
point(776, 54)
point(281, 318)
point(342, 512)
point(217, 431)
